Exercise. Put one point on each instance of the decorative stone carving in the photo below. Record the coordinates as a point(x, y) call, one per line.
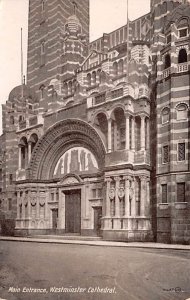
point(131, 192)
point(121, 192)
point(62, 136)
point(70, 180)
point(33, 199)
point(112, 193)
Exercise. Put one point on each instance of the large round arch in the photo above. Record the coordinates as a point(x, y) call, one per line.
point(58, 139)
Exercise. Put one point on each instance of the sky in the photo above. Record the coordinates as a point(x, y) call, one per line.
point(105, 16)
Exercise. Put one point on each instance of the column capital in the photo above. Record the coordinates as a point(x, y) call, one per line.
point(117, 178)
point(108, 179)
point(143, 178)
point(127, 114)
point(142, 116)
point(127, 177)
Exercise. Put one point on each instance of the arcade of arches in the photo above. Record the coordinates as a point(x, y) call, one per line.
point(74, 194)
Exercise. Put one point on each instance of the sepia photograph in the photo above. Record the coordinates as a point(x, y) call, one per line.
point(95, 150)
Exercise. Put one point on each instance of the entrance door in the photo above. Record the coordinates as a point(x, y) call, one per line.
point(54, 218)
point(73, 211)
point(97, 220)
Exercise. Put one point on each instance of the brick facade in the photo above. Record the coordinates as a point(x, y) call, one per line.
point(107, 122)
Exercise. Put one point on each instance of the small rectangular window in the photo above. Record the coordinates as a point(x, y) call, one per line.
point(52, 196)
point(57, 196)
point(9, 204)
point(10, 179)
point(99, 192)
point(164, 193)
point(93, 193)
point(181, 192)
point(181, 151)
point(165, 154)
point(183, 32)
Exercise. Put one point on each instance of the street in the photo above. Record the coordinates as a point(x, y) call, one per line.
point(50, 271)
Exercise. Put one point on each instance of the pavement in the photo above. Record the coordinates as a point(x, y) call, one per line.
point(92, 241)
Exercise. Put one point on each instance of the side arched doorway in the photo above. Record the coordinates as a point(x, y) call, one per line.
point(65, 181)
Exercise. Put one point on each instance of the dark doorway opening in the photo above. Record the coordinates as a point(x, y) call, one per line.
point(73, 211)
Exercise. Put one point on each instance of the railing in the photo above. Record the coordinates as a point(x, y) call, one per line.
point(182, 67)
point(166, 72)
point(33, 121)
point(117, 93)
point(22, 125)
point(100, 98)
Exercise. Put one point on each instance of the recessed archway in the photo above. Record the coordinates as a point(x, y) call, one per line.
point(60, 138)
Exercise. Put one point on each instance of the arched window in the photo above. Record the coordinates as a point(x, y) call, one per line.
point(20, 119)
point(12, 121)
point(42, 87)
point(88, 79)
point(167, 63)
point(120, 67)
point(102, 77)
point(43, 5)
point(70, 86)
point(115, 69)
point(93, 78)
point(182, 57)
point(42, 47)
point(182, 111)
point(165, 115)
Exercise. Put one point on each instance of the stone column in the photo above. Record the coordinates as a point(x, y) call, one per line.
point(126, 178)
point(29, 205)
point(109, 135)
point(143, 196)
point(142, 132)
point(148, 134)
point(133, 200)
point(23, 206)
point(115, 135)
point(37, 205)
point(108, 184)
point(133, 133)
point(127, 130)
point(117, 207)
point(147, 204)
point(19, 157)
point(29, 151)
point(18, 205)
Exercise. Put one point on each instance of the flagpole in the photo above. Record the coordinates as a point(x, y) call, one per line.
point(22, 66)
point(127, 40)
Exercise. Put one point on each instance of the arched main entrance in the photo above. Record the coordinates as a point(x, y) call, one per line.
point(65, 179)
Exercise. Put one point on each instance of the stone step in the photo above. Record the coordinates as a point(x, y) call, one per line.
point(67, 237)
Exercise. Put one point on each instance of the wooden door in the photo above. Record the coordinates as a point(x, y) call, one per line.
point(97, 220)
point(73, 211)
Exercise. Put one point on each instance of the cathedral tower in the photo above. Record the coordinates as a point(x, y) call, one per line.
point(46, 27)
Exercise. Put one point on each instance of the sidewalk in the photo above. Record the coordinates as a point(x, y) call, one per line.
point(55, 240)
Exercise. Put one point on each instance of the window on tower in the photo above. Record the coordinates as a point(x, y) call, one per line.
point(182, 57)
point(183, 32)
point(42, 87)
point(182, 112)
point(165, 154)
point(181, 192)
point(165, 115)
point(167, 62)
point(43, 5)
point(42, 47)
point(181, 151)
point(12, 120)
point(164, 193)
